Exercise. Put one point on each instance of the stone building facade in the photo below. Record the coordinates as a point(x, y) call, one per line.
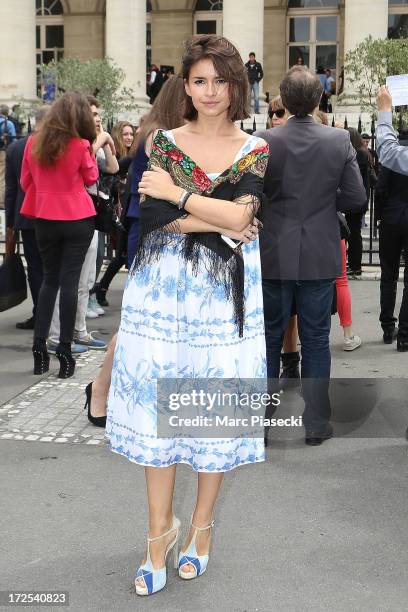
point(137, 32)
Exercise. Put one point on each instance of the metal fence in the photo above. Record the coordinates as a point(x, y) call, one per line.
point(369, 231)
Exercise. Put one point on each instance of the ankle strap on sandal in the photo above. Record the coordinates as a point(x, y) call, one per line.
point(172, 528)
point(203, 528)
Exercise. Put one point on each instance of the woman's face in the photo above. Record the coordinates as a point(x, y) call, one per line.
point(127, 136)
point(278, 118)
point(209, 92)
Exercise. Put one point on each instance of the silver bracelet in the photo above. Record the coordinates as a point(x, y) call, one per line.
point(183, 199)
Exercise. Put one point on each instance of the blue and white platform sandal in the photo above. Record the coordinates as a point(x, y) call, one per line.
point(190, 556)
point(155, 579)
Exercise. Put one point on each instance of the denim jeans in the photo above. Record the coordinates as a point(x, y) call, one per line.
point(254, 88)
point(313, 304)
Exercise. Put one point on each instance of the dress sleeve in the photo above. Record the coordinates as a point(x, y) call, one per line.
point(89, 168)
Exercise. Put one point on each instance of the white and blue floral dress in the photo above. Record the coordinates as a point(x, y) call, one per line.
point(175, 324)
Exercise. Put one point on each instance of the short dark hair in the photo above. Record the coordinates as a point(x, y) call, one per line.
point(228, 64)
point(93, 101)
point(252, 53)
point(366, 136)
point(301, 91)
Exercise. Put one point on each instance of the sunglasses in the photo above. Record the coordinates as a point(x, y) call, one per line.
point(280, 113)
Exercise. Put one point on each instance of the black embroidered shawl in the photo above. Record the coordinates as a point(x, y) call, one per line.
point(241, 183)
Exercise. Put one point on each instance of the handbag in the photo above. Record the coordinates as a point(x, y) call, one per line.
point(106, 219)
point(13, 283)
point(104, 212)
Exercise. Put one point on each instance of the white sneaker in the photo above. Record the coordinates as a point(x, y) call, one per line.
point(91, 314)
point(93, 305)
point(350, 344)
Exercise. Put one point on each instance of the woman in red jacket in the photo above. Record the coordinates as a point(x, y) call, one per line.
point(58, 163)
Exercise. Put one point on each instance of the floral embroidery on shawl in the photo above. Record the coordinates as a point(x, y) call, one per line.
point(188, 175)
point(159, 218)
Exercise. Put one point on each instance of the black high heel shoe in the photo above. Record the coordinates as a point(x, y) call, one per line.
point(41, 361)
point(100, 294)
point(97, 421)
point(67, 363)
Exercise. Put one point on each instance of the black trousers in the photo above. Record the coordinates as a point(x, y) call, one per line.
point(116, 262)
point(63, 246)
point(355, 241)
point(34, 264)
point(393, 242)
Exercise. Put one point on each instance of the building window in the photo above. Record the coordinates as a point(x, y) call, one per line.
point(313, 3)
point(208, 17)
point(209, 5)
point(48, 7)
point(49, 34)
point(398, 26)
point(312, 34)
point(398, 19)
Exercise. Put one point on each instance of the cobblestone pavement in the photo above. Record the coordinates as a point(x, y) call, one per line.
point(52, 409)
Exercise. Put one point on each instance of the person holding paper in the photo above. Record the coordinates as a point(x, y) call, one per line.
point(390, 153)
point(392, 190)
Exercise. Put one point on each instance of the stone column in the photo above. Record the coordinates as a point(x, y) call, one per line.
point(243, 25)
point(374, 15)
point(126, 42)
point(17, 50)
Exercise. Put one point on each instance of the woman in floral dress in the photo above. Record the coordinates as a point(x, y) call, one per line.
point(192, 306)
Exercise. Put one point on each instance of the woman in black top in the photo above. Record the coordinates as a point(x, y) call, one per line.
point(354, 220)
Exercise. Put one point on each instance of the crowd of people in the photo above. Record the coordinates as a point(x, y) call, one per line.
point(236, 249)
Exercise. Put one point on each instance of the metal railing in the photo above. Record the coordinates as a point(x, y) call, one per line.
point(370, 236)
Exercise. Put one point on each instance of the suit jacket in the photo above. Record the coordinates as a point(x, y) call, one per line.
point(312, 173)
point(14, 195)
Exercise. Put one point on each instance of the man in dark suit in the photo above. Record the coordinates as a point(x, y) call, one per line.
point(312, 173)
point(15, 222)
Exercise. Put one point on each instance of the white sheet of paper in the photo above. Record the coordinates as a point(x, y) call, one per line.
point(398, 88)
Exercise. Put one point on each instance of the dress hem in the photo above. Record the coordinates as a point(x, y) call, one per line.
point(185, 462)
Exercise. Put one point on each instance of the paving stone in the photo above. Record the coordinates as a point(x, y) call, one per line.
point(52, 410)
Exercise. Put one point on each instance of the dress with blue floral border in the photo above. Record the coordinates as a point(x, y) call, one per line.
point(174, 325)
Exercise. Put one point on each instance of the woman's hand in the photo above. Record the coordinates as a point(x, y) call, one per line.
point(157, 183)
point(249, 233)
